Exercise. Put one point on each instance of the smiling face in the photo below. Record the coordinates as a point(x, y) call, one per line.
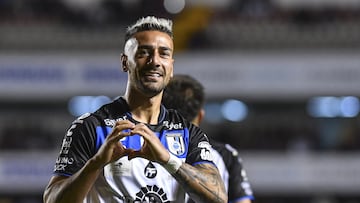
point(149, 61)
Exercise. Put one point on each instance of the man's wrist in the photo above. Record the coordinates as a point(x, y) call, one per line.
point(95, 163)
point(173, 164)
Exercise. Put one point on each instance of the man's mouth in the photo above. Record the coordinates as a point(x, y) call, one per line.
point(153, 75)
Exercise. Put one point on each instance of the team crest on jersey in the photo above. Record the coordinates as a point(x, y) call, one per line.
point(151, 194)
point(175, 142)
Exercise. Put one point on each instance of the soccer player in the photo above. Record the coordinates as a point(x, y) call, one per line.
point(186, 95)
point(134, 149)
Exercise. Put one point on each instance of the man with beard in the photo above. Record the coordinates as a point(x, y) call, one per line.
point(134, 149)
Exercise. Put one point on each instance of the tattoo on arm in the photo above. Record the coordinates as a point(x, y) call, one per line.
point(202, 182)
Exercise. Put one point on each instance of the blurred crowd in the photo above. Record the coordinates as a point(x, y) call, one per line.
point(281, 127)
point(234, 24)
point(104, 12)
point(76, 13)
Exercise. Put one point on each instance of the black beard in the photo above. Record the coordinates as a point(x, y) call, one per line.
point(150, 90)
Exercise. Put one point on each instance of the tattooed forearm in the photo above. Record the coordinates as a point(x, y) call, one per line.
point(203, 183)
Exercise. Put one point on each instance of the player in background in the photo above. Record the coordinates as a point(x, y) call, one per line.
point(186, 95)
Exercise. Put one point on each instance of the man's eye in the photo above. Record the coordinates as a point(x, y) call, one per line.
point(143, 53)
point(165, 54)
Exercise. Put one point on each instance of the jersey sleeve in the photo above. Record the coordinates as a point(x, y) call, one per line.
point(239, 186)
point(199, 147)
point(77, 147)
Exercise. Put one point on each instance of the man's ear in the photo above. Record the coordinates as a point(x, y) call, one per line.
point(199, 117)
point(124, 62)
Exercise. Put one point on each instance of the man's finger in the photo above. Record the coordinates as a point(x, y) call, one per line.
point(120, 127)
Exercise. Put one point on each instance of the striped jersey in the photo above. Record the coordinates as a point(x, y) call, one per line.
point(136, 180)
point(232, 171)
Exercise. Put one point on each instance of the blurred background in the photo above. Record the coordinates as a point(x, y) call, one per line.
point(282, 79)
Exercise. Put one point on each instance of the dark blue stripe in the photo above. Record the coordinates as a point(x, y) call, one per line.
point(63, 174)
point(204, 162)
point(101, 133)
point(250, 197)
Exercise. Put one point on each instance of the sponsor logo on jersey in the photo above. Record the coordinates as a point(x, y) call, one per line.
point(64, 160)
point(150, 170)
point(205, 151)
point(66, 145)
point(121, 167)
point(59, 167)
point(173, 126)
point(175, 142)
point(111, 122)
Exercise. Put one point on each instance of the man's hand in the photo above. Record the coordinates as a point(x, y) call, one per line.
point(112, 149)
point(152, 149)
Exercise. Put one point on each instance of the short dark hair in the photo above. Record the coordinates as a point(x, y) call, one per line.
point(184, 94)
point(150, 23)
